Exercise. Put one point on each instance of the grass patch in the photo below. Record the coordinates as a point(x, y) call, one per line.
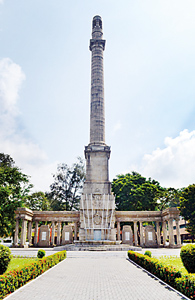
point(17, 263)
point(175, 262)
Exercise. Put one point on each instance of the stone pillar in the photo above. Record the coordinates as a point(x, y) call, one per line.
point(118, 231)
point(178, 232)
point(16, 233)
point(135, 233)
point(171, 236)
point(36, 233)
point(53, 233)
point(141, 234)
point(158, 233)
point(29, 235)
point(164, 232)
point(23, 233)
point(97, 114)
point(59, 234)
point(75, 231)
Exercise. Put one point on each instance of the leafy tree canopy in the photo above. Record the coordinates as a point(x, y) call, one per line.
point(169, 197)
point(67, 186)
point(14, 186)
point(134, 192)
point(187, 207)
point(37, 201)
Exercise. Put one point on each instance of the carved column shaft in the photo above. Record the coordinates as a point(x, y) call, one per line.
point(158, 233)
point(164, 232)
point(59, 233)
point(16, 232)
point(75, 231)
point(135, 233)
point(23, 233)
point(171, 236)
point(53, 233)
point(141, 234)
point(30, 232)
point(36, 233)
point(118, 231)
point(178, 232)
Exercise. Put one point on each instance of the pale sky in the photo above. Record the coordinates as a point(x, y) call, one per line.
point(149, 64)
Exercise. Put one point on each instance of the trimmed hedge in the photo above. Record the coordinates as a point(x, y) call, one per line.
point(187, 255)
point(186, 285)
point(12, 280)
point(170, 275)
point(5, 258)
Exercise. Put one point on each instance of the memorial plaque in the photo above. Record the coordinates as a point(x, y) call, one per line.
point(67, 236)
point(150, 238)
point(44, 236)
point(127, 236)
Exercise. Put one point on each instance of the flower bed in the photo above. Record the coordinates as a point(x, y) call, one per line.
point(14, 279)
point(170, 275)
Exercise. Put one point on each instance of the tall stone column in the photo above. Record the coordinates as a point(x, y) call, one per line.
point(59, 234)
point(75, 231)
point(158, 233)
point(118, 231)
point(164, 232)
point(16, 233)
point(36, 233)
point(178, 232)
point(97, 210)
point(29, 235)
point(53, 233)
point(135, 233)
point(171, 236)
point(23, 233)
point(141, 234)
point(97, 116)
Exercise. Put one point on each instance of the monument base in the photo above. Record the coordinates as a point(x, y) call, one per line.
point(96, 243)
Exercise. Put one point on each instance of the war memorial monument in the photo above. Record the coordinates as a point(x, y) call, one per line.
point(97, 222)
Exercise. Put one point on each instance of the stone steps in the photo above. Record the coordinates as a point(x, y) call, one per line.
point(73, 247)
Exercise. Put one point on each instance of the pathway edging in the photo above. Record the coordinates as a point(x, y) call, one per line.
point(160, 280)
point(32, 280)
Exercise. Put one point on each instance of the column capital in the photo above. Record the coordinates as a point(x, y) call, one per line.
point(97, 43)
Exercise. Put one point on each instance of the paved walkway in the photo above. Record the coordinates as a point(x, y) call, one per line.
point(92, 276)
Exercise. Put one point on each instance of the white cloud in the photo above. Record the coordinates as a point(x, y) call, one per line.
point(175, 164)
point(117, 127)
point(28, 155)
point(11, 78)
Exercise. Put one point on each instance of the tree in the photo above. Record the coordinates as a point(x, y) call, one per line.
point(170, 197)
point(37, 201)
point(134, 192)
point(68, 183)
point(187, 207)
point(14, 186)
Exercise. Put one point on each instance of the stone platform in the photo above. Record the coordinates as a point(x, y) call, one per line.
point(97, 247)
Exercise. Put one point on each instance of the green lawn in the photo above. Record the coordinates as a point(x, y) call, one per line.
point(20, 262)
point(175, 262)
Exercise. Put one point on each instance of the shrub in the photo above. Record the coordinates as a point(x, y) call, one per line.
point(5, 258)
point(167, 274)
point(41, 253)
point(12, 280)
point(184, 284)
point(148, 253)
point(187, 255)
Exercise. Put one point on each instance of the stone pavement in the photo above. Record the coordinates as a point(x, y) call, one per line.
point(94, 275)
